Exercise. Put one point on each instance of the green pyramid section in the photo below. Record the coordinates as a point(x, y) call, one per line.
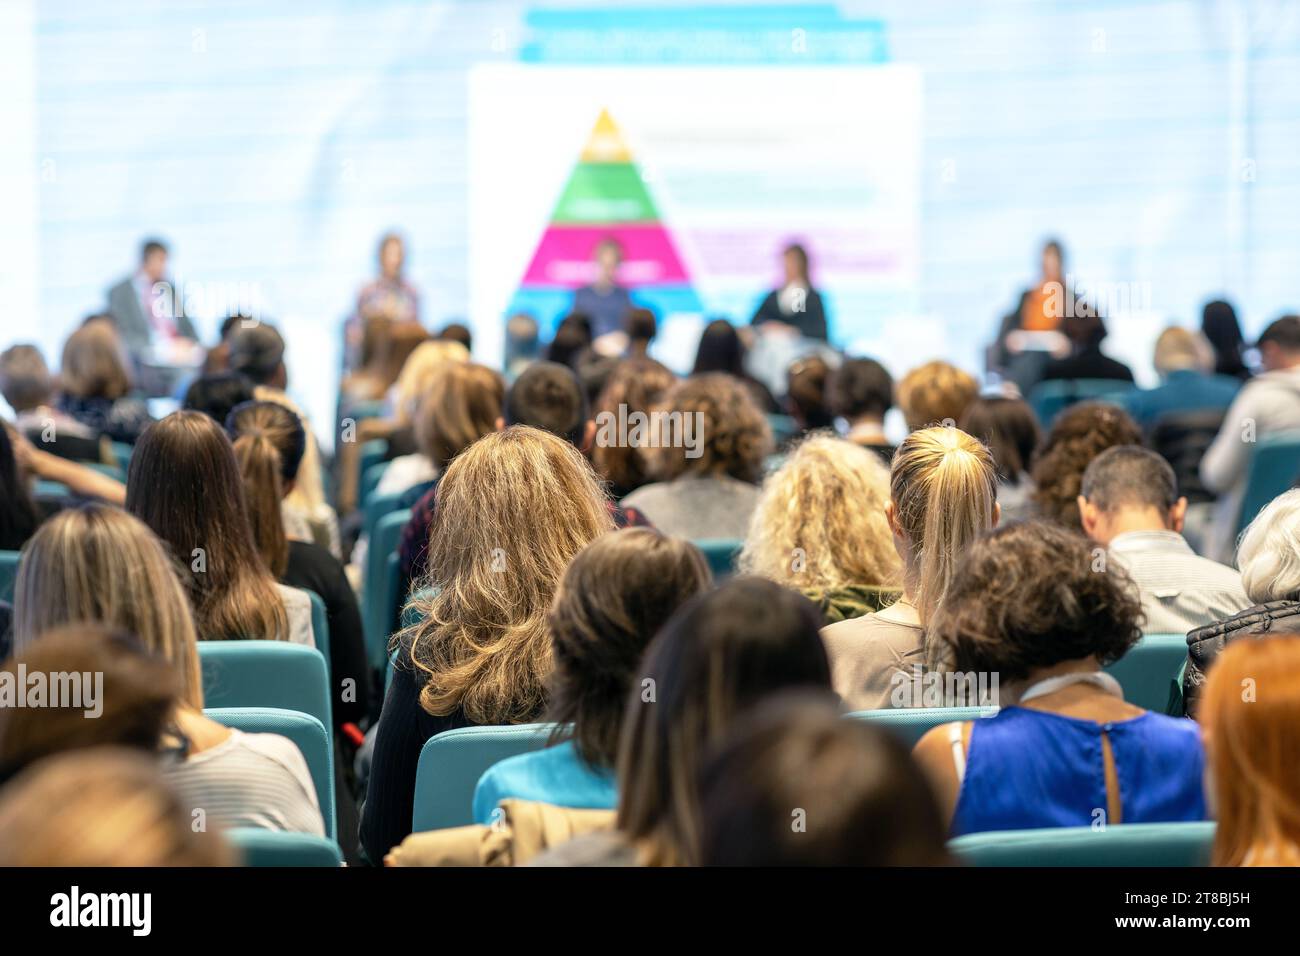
point(604, 193)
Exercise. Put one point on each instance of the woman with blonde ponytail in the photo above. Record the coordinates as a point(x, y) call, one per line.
point(943, 494)
point(269, 442)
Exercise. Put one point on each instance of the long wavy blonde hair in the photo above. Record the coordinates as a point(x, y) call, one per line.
point(944, 488)
point(100, 564)
point(512, 511)
point(820, 522)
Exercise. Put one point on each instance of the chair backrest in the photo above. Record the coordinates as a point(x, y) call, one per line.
point(721, 553)
point(1182, 438)
point(308, 735)
point(320, 625)
point(370, 479)
point(277, 848)
point(122, 454)
point(1149, 671)
point(372, 453)
point(1048, 399)
point(378, 604)
point(266, 674)
point(783, 427)
point(8, 573)
point(910, 724)
point(1274, 467)
point(451, 763)
point(1124, 844)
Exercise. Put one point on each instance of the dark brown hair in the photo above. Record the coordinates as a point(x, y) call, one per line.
point(1079, 434)
point(1010, 430)
point(1032, 595)
point(638, 384)
point(93, 363)
point(735, 436)
point(860, 797)
point(185, 485)
point(719, 655)
point(269, 442)
point(138, 696)
point(618, 591)
point(860, 386)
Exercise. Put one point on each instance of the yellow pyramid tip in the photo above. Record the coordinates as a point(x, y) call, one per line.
point(606, 143)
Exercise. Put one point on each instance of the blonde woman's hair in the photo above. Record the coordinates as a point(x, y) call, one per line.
point(419, 372)
point(944, 489)
point(820, 522)
point(103, 807)
point(103, 565)
point(1269, 553)
point(936, 393)
point(1180, 348)
point(94, 364)
point(513, 509)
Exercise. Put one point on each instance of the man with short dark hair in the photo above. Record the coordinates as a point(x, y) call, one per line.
point(257, 352)
point(1129, 503)
point(1268, 403)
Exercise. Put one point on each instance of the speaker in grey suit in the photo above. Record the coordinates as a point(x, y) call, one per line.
point(126, 302)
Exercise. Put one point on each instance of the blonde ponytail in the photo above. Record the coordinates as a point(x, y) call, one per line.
point(944, 488)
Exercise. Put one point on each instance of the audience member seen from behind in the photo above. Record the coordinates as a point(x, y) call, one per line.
point(268, 441)
point(184, 483)
point(27, 385)
point(217, 395)
point(1269, 558)
point(110, 807)
point(719, 656)
point(722, 350)
point(634, 389)
point(805, 393)
point(798, 785)
point(1086, 330)
point(1266, 405)
point(1027, 606)
point(1077, 436)
point(861, 391)
point(708, 460)
point(821, 528)
point(513, 510)
point(1129, 504)
point(1184, 361)
point(936, 393)
point(943, 494)
point(1010, 430)
point(1220, 326)
point(617, 593)
point(1250, 717)
point(95, 384)
point(102, 565)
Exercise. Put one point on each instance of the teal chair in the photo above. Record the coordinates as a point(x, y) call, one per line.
point(266, 674)
point(1049, 399)
point(910, 724)
point(308, 735)
point(721, 553)
point(1149, 672)
point(320, 625)
point(451, 763)
point(276, 848)
point(379, 603)
point(8, 574)
point(370, 479)
point(112, 471)
point(783, 427)
point(1124, 844)
point(372, 453)
point(122, 455)
point(1274, 467)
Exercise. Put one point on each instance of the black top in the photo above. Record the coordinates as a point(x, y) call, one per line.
point(404, 726)
point(811, 321)
point(1088, 363)
point(314, 568)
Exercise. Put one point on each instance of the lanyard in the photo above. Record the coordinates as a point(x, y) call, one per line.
point(1051, 685)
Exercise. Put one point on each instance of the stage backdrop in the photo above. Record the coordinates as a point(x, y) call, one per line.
point(923, 148)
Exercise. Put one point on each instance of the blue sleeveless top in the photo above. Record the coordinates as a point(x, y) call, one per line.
point(1029, 768)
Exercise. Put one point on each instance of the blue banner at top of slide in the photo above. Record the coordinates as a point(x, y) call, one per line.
point(795, 35)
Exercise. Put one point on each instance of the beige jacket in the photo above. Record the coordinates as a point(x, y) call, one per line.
point(522, 830)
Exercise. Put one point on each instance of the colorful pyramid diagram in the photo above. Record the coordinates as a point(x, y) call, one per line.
point(605, 196)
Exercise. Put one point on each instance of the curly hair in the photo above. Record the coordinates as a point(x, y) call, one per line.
point(1032, 595)
point(826, 505)
point(735, 434)
point(1079, 434)
point(513, 510)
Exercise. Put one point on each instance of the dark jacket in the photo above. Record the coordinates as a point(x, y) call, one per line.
point(1204, 643)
